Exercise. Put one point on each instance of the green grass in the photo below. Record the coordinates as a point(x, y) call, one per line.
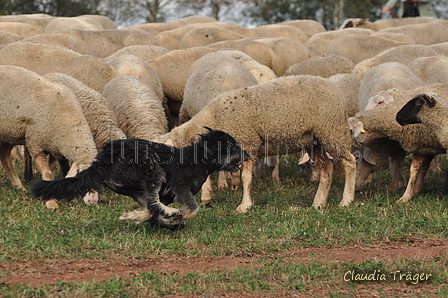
point(279, 222)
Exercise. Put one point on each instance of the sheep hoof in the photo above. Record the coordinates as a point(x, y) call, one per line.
point(403, 200)
point(243, 209)
point(52, 205)
point(318, 207)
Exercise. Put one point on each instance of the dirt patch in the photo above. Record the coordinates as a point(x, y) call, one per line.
point(50, 271)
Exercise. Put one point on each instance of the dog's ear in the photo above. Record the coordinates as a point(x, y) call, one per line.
point(208, 128)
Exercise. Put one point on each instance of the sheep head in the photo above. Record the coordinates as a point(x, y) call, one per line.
point(409, 113)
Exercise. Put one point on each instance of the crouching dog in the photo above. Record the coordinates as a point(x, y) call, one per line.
point(153, 174)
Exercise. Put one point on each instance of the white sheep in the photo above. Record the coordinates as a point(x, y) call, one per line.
point(21, 29)
point(404, 54)
point(281, 30)
point(324, 66)
point(203, 36)
point(144, 51)
point(358, 47)
point(235, 27)
point(261, 72)
point(281, 112)
point(210, 76)
point(156, 28)
point(309, 27)
point(172, 69)
point(349, 85)
point(44, 116)
point(373, 92)
point(99, 115)
point(137, 107)
point(380, 122)
point(441, 48)
point(381, 78)
point(106, 42)
point(288, 52)
point(252, 47)
point(59, 24)
point(131, 65)
point(321, 41)
point(46, 58)
point(103, 21)
point(395, 36)
point(39, 20)
point(73, 43)
point(423, 33)
point(170, 39)
point(430, 69)
point(384, 23)
point(6, 37)
point(431, 110)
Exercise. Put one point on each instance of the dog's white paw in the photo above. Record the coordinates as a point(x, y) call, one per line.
point(139, 216)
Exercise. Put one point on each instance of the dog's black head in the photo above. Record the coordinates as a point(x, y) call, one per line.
point(224, 150)
point(409, 113)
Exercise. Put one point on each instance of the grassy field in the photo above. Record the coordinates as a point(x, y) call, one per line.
point(280, 224)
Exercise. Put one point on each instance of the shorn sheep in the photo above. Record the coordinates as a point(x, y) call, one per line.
point(382, 78)
point(46, 58)
point(99, 115)
point(283, 113)
point(380, 122)
point(172, 69)
point(431, 110)
point(137, 107)
point(44, 116)
point(210, 76)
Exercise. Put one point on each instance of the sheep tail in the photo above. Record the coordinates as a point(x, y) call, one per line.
point(86, 181)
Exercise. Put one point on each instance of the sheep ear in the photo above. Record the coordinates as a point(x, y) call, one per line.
point(429, 99)
point(361, 22)
point(208, 128)
point(304, 159)
point(357, 128)
point(367, 155)
point(349, 24)
point(169, 142)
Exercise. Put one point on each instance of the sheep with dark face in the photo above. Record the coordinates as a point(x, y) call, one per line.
point(417, 139)
point(431, 110)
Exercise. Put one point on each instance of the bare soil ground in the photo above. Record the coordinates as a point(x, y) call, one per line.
point(38, 273)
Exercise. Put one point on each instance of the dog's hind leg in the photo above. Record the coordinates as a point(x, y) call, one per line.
point(138, 216)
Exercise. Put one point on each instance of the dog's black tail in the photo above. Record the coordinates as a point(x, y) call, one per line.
point(88, 180)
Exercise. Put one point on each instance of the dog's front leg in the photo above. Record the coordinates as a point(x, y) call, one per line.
point(186, 198)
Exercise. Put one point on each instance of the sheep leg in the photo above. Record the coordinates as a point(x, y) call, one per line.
point(275, 172)
point(52, 163)
point(427, 159)
point(419, 167)
point(43, 166)
point(349, 168)
point(247, 175)
point(325, 177)
point(222, 180)
point(5, 157)
point(206, 191)
point(435, 166)
point(395, 165)
point(28, 172)
point(235, 178)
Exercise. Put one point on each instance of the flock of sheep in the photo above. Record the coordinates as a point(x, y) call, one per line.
point(68, 85)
